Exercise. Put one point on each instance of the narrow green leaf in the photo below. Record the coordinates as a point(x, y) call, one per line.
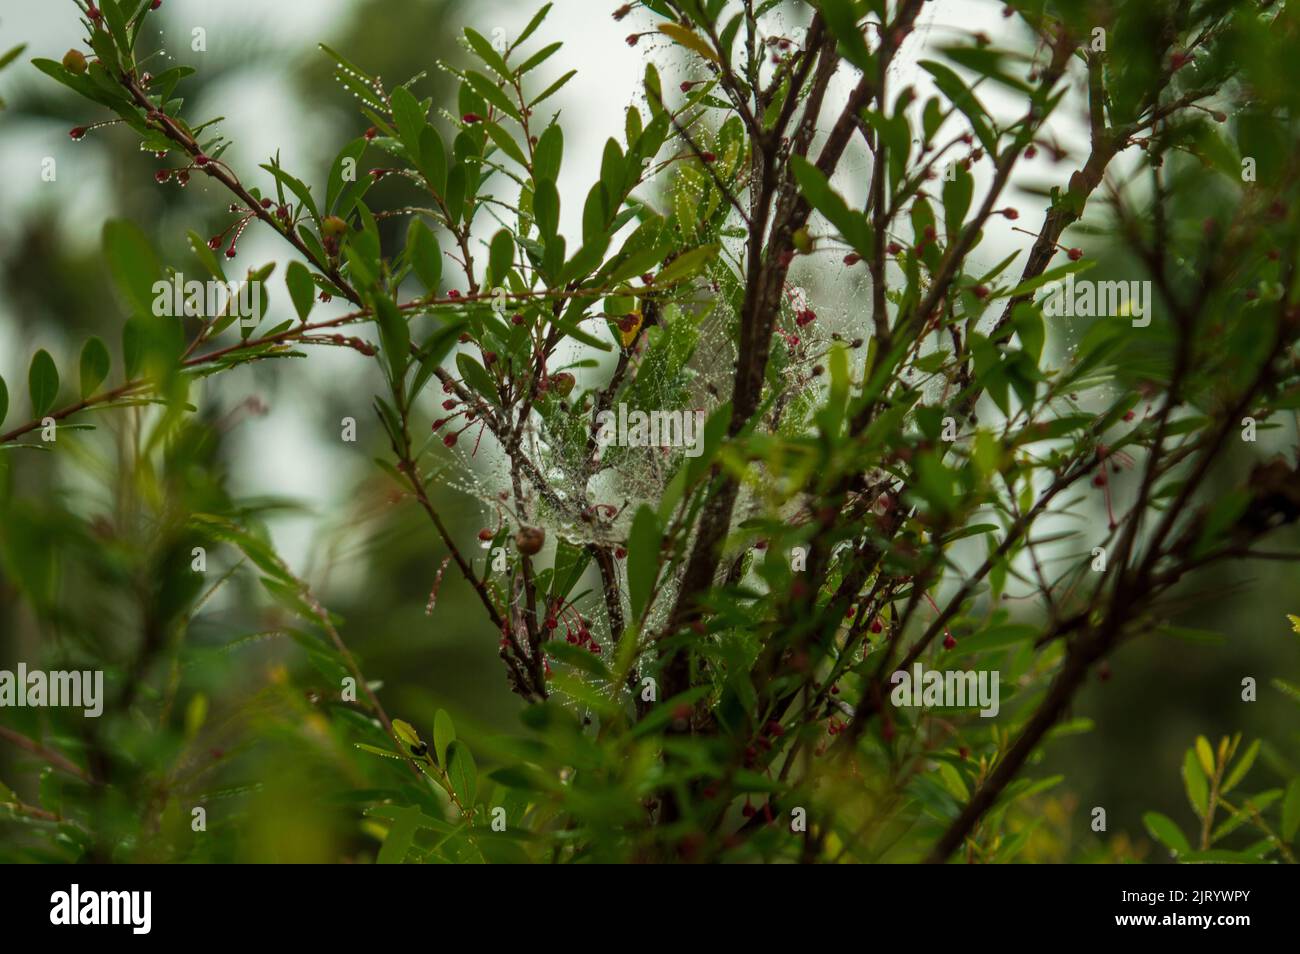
point(42, 382)
point(1291, 810)
point(302, 290)
point(462, 773)
point(643, 558)
point(94, 365)
point(444, 733)
point(132, 263)
point(1163, 830)
point(424, 255)
point(1242, 766)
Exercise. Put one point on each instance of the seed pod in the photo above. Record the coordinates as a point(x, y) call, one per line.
point(562, 383)
point(75, 62)
point(529, 540)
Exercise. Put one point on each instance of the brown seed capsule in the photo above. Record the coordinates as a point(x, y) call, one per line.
point(529, 540)
point(562, 383)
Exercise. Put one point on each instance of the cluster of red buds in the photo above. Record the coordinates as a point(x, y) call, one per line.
point(577, 628)
point(471, 418)
point(771, 730)
point(237, 227)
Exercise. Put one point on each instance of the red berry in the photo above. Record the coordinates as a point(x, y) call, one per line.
point(485, 534)
point(77, 132)
point(230, 252)
point(1075, 254)
point(450, 440)
point(372, 132)
point(162, 175)
point(949, 642)
point(470, 118)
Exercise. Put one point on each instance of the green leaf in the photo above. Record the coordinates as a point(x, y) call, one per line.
point(580, 658)
point(1163, 830)
point(424, 255)
point(94, 366)
point(689, 39)
point(1196, 784)
point(42, 382)
point(401, 834)
point(643, 558)
point(548, 153)
point(4, 400)
point(852, 225)
point(686, 265)
point(492, 94)
point(132, 263)
point(546, 207)
point(952, 86)
point(1242, 767)
point(1291, 810)
point(500, 255)
point(294, 185)
point(302, 290)
point(476, 376)
point(410, 119)
point(1205, 755)
point(462, 773)
point(405, 733)
point(554, 88)
point(498, 134)
point(479, 44)
point(532, 26)
point(444, 733)
point(394, 335)
point(842, 21)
